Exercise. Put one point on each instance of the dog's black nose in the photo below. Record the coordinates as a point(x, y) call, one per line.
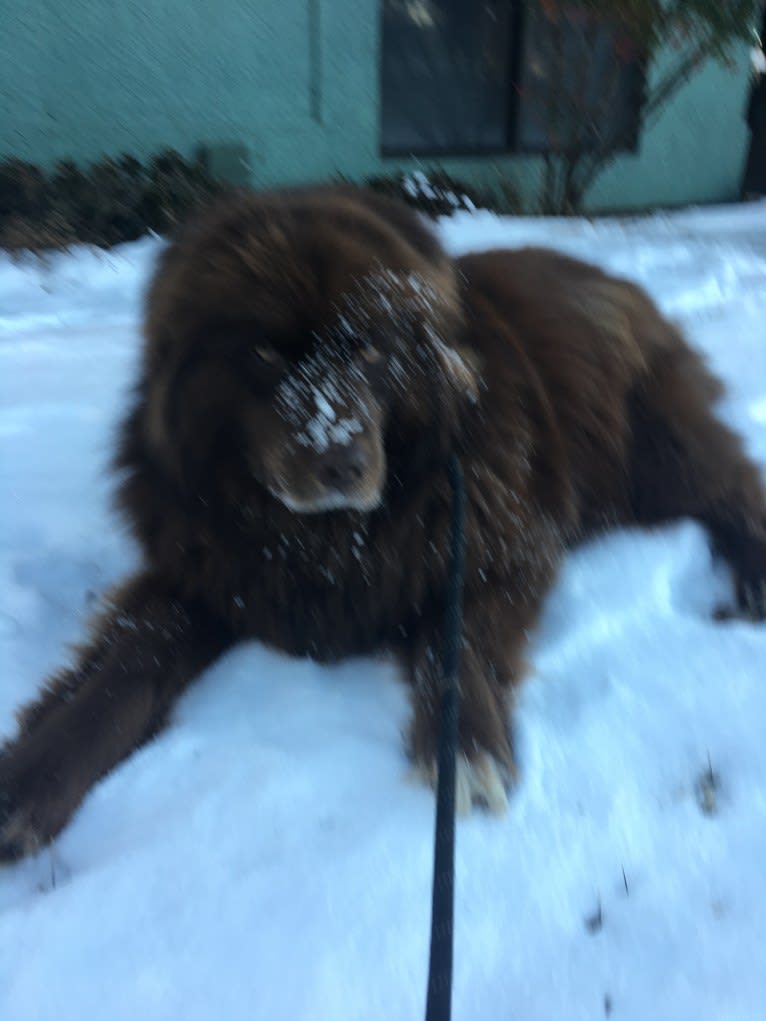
point(343, 466)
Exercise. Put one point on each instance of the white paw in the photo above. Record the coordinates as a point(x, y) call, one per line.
point(480, 780)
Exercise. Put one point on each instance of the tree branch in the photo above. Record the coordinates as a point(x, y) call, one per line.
point(674, 79)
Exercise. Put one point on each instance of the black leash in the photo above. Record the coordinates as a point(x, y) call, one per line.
point(439, 1002)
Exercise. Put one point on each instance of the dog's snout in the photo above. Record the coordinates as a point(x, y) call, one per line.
point(343, 466)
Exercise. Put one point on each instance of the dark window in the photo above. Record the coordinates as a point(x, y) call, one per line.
point(445, 71)
point(482, 76)
point(579, 82)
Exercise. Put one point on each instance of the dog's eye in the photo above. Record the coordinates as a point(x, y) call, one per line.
point(268, 355)
point(370, 354)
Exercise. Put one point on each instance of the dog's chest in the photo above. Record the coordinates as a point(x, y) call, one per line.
point(331, 592)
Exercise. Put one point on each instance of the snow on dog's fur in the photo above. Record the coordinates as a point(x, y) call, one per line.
point(312, 360)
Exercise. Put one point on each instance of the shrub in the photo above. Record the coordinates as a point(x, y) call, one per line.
point(111, 201)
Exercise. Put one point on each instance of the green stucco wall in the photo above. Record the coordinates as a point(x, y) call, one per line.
point(296, 82)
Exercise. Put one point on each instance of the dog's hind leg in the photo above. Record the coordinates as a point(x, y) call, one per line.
point(686, 463)
point(145, 648)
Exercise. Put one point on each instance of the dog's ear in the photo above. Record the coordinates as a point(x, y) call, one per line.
point(189, 418)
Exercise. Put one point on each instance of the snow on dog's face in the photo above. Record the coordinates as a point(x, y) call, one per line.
point(327, 418)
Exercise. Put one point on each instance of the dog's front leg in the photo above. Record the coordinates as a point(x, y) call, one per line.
point(492, 663)
point(145, 648)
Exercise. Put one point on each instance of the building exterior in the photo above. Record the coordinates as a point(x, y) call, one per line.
point(283, 91)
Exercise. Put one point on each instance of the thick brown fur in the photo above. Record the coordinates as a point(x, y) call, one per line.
point(312, 359)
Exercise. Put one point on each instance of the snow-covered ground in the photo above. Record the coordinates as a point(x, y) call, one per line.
point(265, 858)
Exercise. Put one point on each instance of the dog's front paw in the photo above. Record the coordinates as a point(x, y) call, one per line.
point(20, 833)
point(751, 602)
point(31, 810)
point(751, 595)
point(481, 780)
point(749, 567)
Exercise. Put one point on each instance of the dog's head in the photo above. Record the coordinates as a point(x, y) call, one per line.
point(291, 340)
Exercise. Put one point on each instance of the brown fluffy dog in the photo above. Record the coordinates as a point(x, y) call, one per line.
point(312, 359)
